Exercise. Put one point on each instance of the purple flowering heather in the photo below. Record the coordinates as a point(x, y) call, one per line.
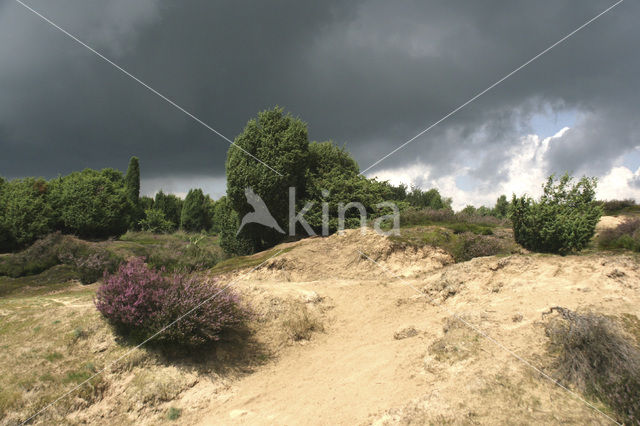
point(139, 301)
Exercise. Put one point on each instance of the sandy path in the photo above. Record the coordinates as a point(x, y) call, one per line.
point(356, 372)
point(343, 375)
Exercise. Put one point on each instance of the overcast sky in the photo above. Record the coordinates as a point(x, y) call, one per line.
point(366, 74)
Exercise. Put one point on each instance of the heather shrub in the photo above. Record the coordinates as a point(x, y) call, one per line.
point(469, 245)
point(139, 301)
point(90, 263)
point(626, 235)
point(593, 353)
point(562, 221)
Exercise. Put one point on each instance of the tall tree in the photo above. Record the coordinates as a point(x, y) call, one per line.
point(132, 181)
point(502, 207)
point(280, 141)
point(194, 212)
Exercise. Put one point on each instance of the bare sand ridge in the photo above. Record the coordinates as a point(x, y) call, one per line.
point(389, 355)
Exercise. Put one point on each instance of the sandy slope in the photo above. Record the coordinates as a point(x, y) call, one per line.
point(357, 372)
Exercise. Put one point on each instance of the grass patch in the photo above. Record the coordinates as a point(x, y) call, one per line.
point(55, 278)
point(174, 252)
point(241, 262)
point(53, 356)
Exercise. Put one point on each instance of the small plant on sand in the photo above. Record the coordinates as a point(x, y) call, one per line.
point(174, 413)
point(594, 354)
point(562, 221)
point(139, 301)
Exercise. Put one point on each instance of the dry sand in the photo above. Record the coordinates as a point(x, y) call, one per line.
point(393, 352)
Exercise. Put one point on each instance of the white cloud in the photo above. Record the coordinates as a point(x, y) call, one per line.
point(214, 186)
point(526, 170)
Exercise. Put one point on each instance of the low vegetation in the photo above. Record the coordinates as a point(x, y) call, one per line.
point(139, 301)
point(624, 236)
point(616, 207)
point(459, 241)
point(563, 220)
point(594, 353)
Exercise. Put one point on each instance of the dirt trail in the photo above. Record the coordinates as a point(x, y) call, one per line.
point(369, 366)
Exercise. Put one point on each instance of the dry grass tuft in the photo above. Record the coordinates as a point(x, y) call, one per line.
point(299, 323)
point(598, 357)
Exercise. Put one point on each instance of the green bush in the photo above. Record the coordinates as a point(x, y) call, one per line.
point(154, 221)
point(562, 221)
point(194, 212)
point(40, 256)
point(171, 206)
point(229, 222)
point(91, 203)
point(279, 140)
point(25, 212)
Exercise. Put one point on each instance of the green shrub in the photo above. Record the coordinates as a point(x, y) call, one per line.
point(469, 245)
point(281, 141)
point(90, 263)
point(155, 221)
point(25, 212)
point(40, 256)
point(594, 354)
point(562, 221)
point(91, 203)
point(171, 206)
point(229, 222)
point(194, 212)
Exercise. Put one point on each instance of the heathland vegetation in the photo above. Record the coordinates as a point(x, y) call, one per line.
point(158, 258)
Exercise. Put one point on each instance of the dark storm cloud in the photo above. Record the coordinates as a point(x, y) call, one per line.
point(370, 74)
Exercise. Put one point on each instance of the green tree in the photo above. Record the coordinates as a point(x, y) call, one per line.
point(280, 141)
point(194, 214)
point(132, 181)
point(227, 222)
point(154, 221)
point(25, 212)
point(132, 186)
point(333, 178)
point(170, 205)
point(92, 203)
point(468, 209)
point(562, 221)
point(146, 203)
point(425, 199)
point(501, 210)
